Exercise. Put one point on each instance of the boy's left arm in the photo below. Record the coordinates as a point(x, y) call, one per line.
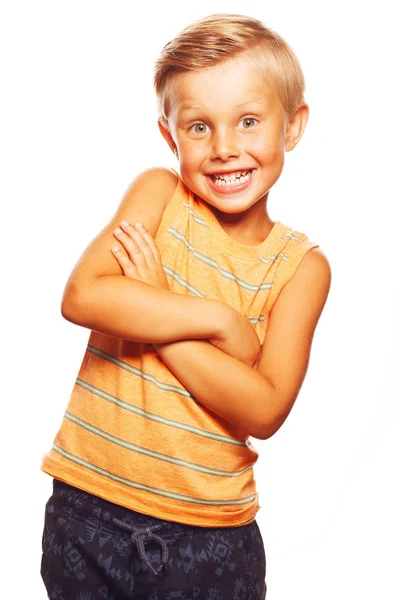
point(259, 401)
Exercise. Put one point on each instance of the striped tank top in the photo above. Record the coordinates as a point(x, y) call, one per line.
point(131, 433)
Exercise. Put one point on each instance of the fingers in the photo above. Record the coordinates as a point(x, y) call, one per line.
point(139, 256)
point(127, 266)
point(136, 246)
point(150, 241)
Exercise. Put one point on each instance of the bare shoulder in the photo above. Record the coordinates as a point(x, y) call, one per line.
point(316, 261)
point(157, 182)
point(145, 200)
point(312, 278)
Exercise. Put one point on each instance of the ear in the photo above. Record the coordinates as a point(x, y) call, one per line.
point(167, 136)
point(296, 127)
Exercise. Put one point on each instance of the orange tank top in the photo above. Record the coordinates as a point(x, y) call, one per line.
point(131, 433)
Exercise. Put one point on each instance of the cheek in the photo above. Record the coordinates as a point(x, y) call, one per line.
point(270, 152)
point(191, 156)
point(270, 146)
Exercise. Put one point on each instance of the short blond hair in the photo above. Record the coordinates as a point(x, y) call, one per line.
point(219, 37)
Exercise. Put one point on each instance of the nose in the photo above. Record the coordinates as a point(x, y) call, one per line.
point(224, 145)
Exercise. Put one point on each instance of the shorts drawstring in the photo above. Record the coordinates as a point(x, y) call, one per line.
point(139, 534)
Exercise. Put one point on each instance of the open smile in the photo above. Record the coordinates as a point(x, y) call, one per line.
point(232, 181)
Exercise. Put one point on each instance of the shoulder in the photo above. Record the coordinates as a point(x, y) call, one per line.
point(156, 181)
point(301, 262)
point(310, 284)
point(313, 267)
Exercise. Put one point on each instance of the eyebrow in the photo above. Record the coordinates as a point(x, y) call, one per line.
point(254, 100)
point(186, 106)
point(183, 107)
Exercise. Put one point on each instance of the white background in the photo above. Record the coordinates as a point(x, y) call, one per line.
point(78, 122)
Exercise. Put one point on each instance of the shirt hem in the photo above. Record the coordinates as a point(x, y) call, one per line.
point(112, 492)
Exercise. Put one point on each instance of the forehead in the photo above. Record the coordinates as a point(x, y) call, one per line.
point(235, 82)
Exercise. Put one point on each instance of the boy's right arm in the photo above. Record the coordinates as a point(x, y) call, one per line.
point(99, 297)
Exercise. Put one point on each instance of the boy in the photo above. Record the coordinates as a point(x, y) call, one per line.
point(202, 321)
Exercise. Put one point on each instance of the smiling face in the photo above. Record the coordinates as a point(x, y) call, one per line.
point(230, 130)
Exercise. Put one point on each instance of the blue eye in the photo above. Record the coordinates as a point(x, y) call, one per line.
point(199, 127)
point(248, 122)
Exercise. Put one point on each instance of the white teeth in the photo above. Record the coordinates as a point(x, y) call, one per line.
point(233, 179)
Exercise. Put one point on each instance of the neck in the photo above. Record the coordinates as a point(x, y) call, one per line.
point(250, 227)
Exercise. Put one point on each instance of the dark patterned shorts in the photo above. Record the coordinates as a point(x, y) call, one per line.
point(94, 549)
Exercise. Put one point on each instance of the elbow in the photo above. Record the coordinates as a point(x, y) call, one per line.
point(68, 311)
point(268, 429)
point(270, 425)
point(273, 413)
point(71, 306)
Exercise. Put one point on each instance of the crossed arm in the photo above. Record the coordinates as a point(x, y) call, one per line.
point(212, 349)
point(256, 400)
point(226, 386)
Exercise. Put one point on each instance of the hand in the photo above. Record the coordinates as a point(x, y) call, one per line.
point(141, 259)
point(238, 338)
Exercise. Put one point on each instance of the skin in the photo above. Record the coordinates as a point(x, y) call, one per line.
point(229, 118)
point(223, 120)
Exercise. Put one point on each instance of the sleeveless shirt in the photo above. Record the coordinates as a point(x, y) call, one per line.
point(131, 433)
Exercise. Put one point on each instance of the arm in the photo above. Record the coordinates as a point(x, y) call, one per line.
point(99, 297)
point(224, 383)
point(133, 310)
point(259, 401)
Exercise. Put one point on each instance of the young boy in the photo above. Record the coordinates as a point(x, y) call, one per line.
point(202, 320)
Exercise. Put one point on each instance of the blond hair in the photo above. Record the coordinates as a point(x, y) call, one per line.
point(219, 37)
